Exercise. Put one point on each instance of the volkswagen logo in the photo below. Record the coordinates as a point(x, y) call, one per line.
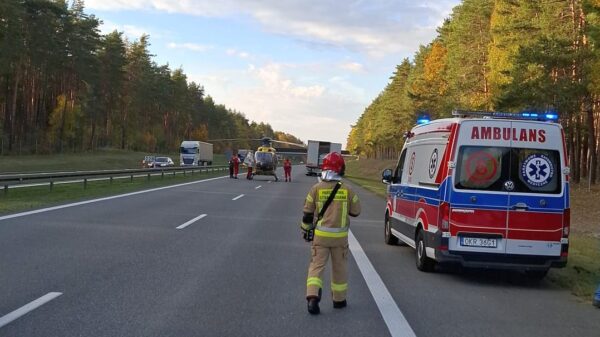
point(509, 185)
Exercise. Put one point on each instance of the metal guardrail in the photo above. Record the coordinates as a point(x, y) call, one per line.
point(50, 178)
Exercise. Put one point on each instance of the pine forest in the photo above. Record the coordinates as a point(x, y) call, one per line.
point(498, 55)
point(66, 87)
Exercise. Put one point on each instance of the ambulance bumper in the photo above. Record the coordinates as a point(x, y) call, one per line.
point(492, 260)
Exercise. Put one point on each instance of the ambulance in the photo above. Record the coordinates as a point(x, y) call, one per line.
point(482, 190)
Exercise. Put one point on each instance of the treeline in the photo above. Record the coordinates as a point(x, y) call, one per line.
point(66, 87)
point(504, 55)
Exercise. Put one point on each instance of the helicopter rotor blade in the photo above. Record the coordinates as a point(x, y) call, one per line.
point(289, 143)
point(234, 140)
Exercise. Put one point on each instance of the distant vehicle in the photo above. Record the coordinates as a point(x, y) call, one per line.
point(316, 151)
point(148, 161)
point(195, 153)
point(163, 162)
point(484, 189)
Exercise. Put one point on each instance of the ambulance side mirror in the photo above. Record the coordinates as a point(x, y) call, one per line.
point(386, 176)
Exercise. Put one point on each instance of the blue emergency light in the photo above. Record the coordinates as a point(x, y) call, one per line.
point(423, 119)
point(546, 116)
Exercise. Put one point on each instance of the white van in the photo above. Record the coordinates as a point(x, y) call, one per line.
point(484, 189)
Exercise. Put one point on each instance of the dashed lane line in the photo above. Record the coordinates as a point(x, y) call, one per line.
point(191, 221)
point(238, 197)
point(43, 210)
point(257, 187)
point(27, 308)
point(393, 317)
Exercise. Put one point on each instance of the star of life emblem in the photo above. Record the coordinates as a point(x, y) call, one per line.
point(537, 170)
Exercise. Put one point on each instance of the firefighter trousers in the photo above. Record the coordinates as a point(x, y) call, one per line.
point(339, 271)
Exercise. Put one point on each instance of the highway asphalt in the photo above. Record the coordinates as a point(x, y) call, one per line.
point(123, 268)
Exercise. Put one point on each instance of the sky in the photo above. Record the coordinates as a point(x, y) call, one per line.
point(308, 68)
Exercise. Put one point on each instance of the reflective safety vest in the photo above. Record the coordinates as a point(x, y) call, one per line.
point(335, 221)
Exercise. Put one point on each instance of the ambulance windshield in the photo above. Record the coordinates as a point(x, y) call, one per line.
point(488, 168)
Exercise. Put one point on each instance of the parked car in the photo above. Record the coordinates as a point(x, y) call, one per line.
point(163, 162)
point(148, 161)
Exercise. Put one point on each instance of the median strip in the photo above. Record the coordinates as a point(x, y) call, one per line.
point(238, 197)
point(28, 308)
point(191, 221)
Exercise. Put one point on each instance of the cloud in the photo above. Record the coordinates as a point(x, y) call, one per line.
point(132, 32)
point(189, 46)
point(235, 52)
point(272, 93)
point(377, 28)
point(352, 66)
point(274, 82)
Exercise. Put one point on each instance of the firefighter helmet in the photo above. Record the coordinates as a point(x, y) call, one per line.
point(334, 162)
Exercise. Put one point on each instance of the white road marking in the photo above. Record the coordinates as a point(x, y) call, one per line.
point(270, 181)
point(238, 197)
point(393, 317)
point(191, 221)
point(257, 187)
point(43, 210)
point(27, 308)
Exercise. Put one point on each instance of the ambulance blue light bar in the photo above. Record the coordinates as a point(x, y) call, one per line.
point(547, 116)
point(423, 119)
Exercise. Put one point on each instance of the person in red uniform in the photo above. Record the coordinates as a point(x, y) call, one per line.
point(236, 166)
point(287, 169)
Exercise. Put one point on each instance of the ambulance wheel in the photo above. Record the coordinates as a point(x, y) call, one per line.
point(424, 263)
point(390, 239)
point(536, 275)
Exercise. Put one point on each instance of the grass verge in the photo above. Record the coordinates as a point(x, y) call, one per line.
point(108, 159)
point(28, 198)
point(582, 273)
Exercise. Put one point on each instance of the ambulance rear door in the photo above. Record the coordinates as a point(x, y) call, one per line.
point(479, 202)
point(537, 193)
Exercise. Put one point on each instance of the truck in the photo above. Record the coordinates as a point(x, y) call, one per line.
point(316, 151)
point(195, 153)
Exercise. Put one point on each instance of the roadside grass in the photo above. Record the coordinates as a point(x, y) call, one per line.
point(582, 273)
point(367, 173)
point(107, 159)
point(27, 198)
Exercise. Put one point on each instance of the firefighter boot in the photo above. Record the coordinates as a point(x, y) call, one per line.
point(313, 305)
point(340, 304)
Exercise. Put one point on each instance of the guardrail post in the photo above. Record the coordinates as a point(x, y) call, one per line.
point(192, 171)
point(84, 183)
point(51, 185)
point(131, 178)
point(148, 177)
point(162, 174)
point(5, 189)
point(184, 173)
point(111, 179)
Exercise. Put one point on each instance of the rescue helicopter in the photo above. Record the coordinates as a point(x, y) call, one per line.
point(265, 156)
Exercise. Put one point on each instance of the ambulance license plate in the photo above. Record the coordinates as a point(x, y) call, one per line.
point(478, 242)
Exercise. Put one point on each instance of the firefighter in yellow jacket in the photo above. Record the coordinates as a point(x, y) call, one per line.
point(329, 234)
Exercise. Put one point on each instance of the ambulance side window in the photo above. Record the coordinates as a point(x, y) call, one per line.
point(399, 168)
